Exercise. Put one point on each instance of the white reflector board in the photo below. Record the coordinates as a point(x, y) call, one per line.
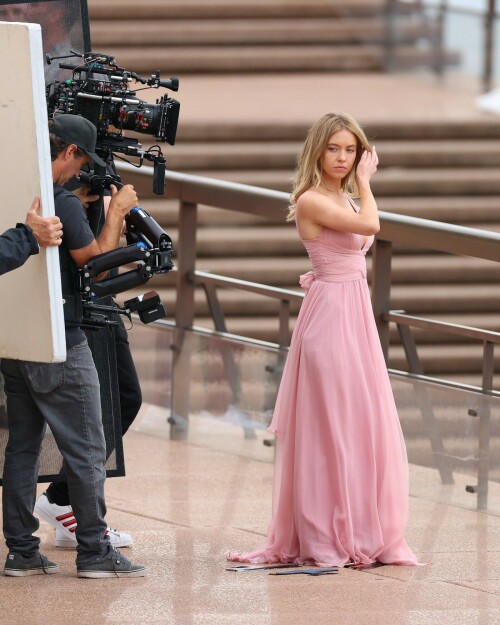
point(31, 308)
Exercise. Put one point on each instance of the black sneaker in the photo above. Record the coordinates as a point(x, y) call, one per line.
point(113, 564)
point(17, 565)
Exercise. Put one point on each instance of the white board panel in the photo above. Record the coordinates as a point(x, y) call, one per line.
point(31, 309)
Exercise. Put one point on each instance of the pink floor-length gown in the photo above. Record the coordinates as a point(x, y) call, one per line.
point(341, 472)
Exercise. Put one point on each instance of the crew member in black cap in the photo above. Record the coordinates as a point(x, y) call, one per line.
point(77, 130)
point(64, 395)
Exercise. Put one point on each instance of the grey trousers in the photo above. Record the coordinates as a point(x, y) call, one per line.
point(66, 397)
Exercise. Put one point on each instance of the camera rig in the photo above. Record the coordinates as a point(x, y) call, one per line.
point(151, 248)
point(99, 91)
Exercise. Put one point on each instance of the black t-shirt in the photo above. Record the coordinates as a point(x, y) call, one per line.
point(76, 234)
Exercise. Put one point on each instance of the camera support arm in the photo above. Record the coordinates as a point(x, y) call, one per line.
point(122, 282)
point(151, 247)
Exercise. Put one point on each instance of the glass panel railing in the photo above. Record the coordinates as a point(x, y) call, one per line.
point(230, 392)
point(451, 434)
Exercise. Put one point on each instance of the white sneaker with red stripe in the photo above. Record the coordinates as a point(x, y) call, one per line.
point(63, 519)
point(116, 538)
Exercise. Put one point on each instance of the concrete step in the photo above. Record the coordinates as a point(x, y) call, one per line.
point(178, 60)
point(472, 211)
point(439, 153)
point(463, 209)
point(229, 9)
point(486, 128)
point(388, 182)
point(446, 298)
point(187, 157)
point(254, 31)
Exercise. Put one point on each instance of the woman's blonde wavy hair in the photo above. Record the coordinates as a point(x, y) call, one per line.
point(309, 172)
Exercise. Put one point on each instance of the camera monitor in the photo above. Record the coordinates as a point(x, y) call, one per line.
point(65, 26)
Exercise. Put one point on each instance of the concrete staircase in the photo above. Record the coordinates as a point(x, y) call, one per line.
point(200, 36)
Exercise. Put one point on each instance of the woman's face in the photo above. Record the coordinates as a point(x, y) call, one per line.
point(339, 154)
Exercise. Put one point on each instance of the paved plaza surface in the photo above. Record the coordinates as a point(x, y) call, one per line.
point(296, 98)
point(186, 504)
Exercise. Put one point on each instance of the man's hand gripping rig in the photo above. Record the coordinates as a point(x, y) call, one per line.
point(149, 246)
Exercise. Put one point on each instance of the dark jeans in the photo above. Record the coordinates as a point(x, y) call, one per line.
point(130, 403)
point(65, 396)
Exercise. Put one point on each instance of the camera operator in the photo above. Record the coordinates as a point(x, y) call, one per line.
point(128, 381)
point(56, 499)
point(64, 395)
point(17, 244)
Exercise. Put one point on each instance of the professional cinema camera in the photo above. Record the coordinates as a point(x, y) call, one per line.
point(99, 91)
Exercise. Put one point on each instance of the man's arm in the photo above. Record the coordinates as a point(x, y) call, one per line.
point(122, 202)
point(19, 243)
point(16, 245)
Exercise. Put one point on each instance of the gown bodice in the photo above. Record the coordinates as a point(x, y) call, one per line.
point(336, 256)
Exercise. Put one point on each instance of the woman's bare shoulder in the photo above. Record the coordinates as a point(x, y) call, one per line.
point(311, 197)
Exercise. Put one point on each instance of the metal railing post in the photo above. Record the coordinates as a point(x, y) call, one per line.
point(390, 34)
point(438, 37)
point(489, 45)
point(483, 468)
point(184, 317)
point(381, 290)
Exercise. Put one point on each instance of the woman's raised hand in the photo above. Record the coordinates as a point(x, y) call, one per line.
point(367, 166)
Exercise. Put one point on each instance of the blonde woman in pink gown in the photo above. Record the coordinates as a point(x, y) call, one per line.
point(341, 472)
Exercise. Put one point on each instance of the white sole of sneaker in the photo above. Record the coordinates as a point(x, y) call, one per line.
point(109, 574)
point(28, 572)
point(68, 543)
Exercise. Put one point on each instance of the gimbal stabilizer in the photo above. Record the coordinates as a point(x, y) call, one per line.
point(150, 247)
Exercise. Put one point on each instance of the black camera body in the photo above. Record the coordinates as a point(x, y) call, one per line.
point(99, 91)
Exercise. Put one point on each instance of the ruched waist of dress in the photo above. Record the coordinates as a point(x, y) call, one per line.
point(307, 279)
point(344, 270)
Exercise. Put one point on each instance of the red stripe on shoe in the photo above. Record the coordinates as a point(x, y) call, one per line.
point(68, 523)
point(68, 515)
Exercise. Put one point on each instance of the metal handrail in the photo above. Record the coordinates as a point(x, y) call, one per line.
point(442, 326)
point(270, 204)
point(192, 190)
point(203, 277)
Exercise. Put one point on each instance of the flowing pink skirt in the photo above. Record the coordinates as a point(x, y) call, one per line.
point(341, 473)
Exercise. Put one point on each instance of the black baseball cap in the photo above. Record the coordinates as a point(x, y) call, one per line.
point(80, 131)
